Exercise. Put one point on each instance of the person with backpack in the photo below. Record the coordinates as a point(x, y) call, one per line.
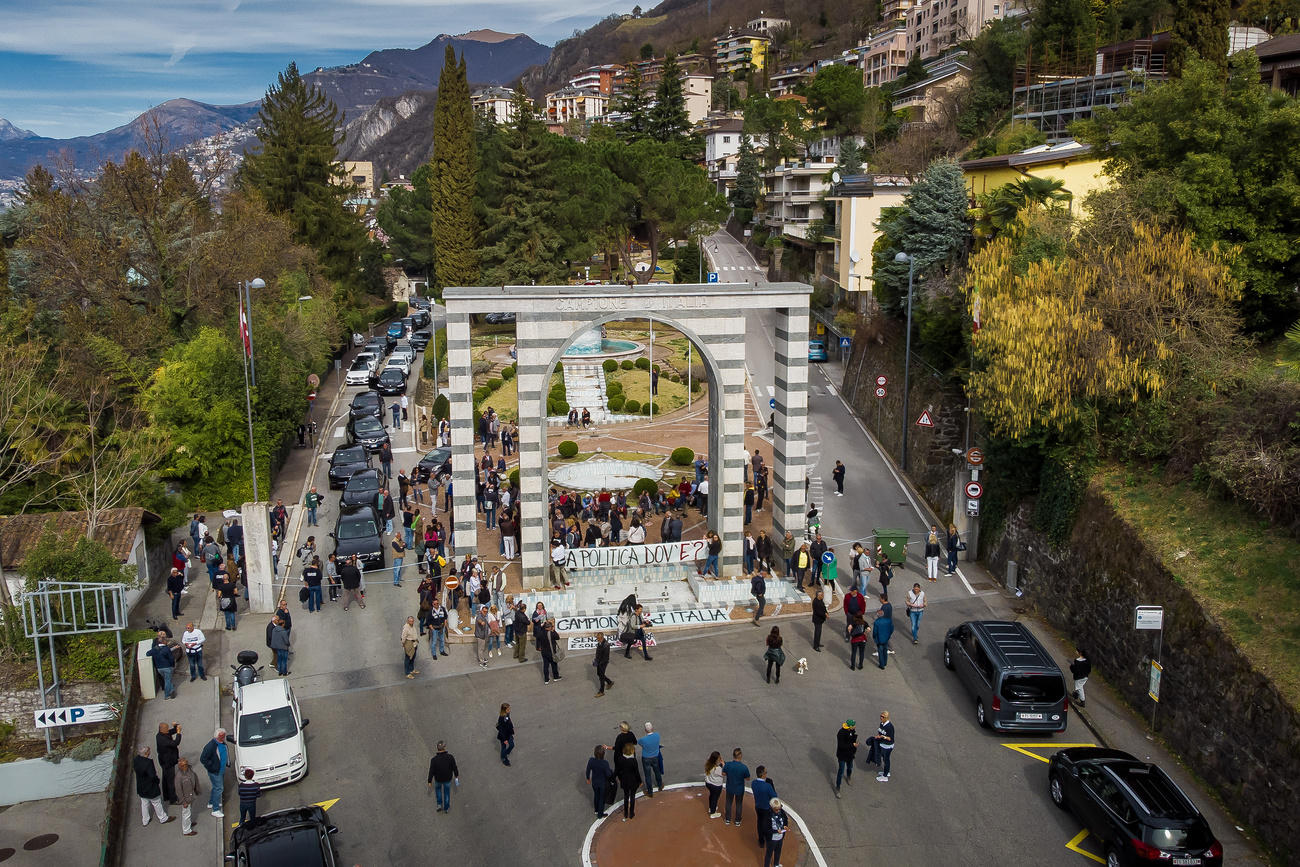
point(758, 589)
point(857, 642)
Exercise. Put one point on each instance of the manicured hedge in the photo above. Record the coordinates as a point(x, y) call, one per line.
point(514, 477)
point(481, 393)
point(612, 388)
point(610, 365)
point(642, 363)
point(494, 383)
point(627, 364)
point(649, 486)
point(682, 457)
point(616, 403)
point(508, 373)
point(567, 449)
point(441, 407)
point(632, 407)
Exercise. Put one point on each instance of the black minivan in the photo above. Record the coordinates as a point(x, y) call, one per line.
point(1016, 685)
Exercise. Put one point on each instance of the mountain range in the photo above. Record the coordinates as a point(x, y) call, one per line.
point(379, 82)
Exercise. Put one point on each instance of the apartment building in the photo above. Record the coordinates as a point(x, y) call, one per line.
point(765, 24)
point(741, 52)
point(884, 56)
point(697, 88)
point(924, 100)
point(497, 103)
point(934, 26)
point(689, 64)
point(571, 103)
point(794, 196)
point(361, 175)
point(603, 79)
point(721, 148)
point(859, 201)
point(783, 83)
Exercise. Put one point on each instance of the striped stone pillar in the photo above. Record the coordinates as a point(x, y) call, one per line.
point(460, 394)
point(532, 374)
point(725, 338)
point(789, 446)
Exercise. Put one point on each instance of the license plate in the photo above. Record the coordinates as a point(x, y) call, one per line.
point(1178, 860)
point(1029, 716)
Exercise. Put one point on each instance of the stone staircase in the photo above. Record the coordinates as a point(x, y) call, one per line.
point(584, 387)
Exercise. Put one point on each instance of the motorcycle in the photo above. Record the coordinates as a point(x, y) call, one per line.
point(246, 672)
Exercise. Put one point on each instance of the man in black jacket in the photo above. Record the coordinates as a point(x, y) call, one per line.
point(350, 575)
point(846, 750)
point(169, 753)
point(1080, 669)
point(818, 618)
point(520, 615)
point(548, 646)
point(175, 587)
point(602, 663)
point(815, 552)
point(148, 788)
point(442, 770)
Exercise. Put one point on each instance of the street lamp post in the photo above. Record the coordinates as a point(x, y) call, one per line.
point(246, 305)
point(302, 298)
point(907, 358)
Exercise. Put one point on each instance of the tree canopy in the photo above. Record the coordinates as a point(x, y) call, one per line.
point(452, 179)
point(837, 100)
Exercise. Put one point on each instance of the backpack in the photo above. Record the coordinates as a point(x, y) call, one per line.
point(484, 595)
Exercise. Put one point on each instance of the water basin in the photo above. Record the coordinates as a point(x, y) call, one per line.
point(599, 473)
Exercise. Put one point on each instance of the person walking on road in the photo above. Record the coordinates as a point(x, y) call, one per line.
point(598, 774)
point(187, 789)
point(764, 793)
point(932, 554)
point(776, 836)
point(714, 781)
point(312, 501)
point(846, 750)
point(774, 654)
point(249, 791)
point(168, 740)
point(637, 626)
point(505, 733)
point(818, 618)
point(628, 771)
point(175, 589)
point(601, 662)
point(881, 631)
point(651, 761)
point(838, 475)
point(915, 608)
point(881, 747)
point(758, 589)
point(1080, 670)
point(193, 639)
point(410, 646)
point(214, 758)
point(442, 770)
point(548, 645)
point(350, 576)
point(735, 772)
point(954, 545)
point(857, 642)
point(148, 787)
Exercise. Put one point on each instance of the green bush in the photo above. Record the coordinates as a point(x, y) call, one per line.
point(627, 364)
point(616, 402)
point(632, 407)
point(645, 408)
point(695, 386)
point(609, 365)
point(514, 477)
point(441, 408)
point(672, 377)
point(567, 449)
point(508, 373)
point(642, 363)
point(495, 383)
point(649, 486)
point(682, 457)
point(481, 393)
point(613, 387)
point(557, 406)
point(656, 368)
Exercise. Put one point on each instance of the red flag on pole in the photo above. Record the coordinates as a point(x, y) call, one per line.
point(243, 331)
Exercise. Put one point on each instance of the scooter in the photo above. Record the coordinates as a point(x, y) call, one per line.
point(246, 672)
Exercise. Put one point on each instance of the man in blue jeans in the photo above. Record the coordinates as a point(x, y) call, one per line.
point(735, 772)
point(915, 608)
point(846, 750)
point(442, 770)
point(214, 758)
point(650, 760)
point(280, 644)
point(164, 662)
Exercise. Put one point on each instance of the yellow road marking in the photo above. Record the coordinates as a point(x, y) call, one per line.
point(324, 805)
point(1073, 846)
point(1024, 749)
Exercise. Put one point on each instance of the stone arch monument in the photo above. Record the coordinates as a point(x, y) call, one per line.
point(712, 316)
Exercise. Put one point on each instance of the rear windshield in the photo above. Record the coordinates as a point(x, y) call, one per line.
point(350, 456)
point(363, 482)
point(1195, 837)
point(1037, 688)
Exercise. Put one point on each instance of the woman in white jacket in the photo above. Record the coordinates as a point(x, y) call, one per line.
point(636, 533)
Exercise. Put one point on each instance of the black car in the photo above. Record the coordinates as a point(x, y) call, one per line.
point(366, 403)
point(418, 303)
point(421, 339)
point(299, 836)
point(378, 347)
point(358, 532)
point(345, 461)
point(391, 381)
point(367, 431)
point(436, 461)
point(1133, 810)
point(362, 488)
point(499, 318)
point(419, 318)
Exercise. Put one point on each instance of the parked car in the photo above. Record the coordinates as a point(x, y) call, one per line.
point(405, 351)
point(416, 302)
point(361, 370)
point(434, 462)
point(499, 318)
point(817, 351)
point(367, 431)
point(399, 360)
point(300, 836)
point(362, 487)
point(366, 403)
point(269, 733)
point(345, 461)
point(396, 330)
point(378, 347)
point(391, 381)
point(357, 533)
point(421, 339)
point(1016, 685)
point(420, 317)
point(1132, 809)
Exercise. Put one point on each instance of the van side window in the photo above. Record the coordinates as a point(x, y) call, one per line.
point(982, 662)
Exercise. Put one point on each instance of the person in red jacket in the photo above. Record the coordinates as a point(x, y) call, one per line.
point(854, 604)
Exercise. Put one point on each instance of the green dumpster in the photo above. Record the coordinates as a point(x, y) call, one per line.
point(893, 543)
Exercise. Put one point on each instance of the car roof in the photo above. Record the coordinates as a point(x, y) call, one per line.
point(359, 511)
point(366, 396)
point(352, 448)
point(1152, 790)
point(268, 826)
point(1015, 643)
point(263, 695)
point(367, 472)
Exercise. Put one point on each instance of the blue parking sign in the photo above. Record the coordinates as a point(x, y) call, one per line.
point(713, 276)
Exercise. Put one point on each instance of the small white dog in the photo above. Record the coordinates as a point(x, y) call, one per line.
point(801, 667)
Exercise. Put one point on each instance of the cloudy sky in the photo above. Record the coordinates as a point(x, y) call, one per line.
point(77, 67)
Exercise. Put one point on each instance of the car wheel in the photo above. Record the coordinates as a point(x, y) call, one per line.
point(1113, 859)
point(980, 716)
point(1056, 789)
point(947, 657)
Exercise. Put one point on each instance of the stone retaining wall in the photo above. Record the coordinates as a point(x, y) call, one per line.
point(17, 705)
point(1226, 719)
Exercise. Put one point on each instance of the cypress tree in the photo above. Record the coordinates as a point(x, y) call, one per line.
point(1201, 26)
point(523, 242)
point(297, 172)
point(633, 104)
point(452, 179)
point(668, 121)
point(744, 197)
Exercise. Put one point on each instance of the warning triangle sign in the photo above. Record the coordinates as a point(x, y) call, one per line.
point(925, 420)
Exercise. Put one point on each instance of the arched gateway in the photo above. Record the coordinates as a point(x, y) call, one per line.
point(712, 316)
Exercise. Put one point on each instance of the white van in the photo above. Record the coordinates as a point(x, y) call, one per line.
point(269, 734)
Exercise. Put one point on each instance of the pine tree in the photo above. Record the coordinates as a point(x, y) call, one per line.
point(1201, 26)
point(452, 182)
point(668, 120)
point(933, 226)
point(850, 158)
point(297, 172)
point(744, 197)
point(633, 104)
point(523, 242)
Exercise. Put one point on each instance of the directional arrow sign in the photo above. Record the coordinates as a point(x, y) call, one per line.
point(78, 715)
point(974, 490)
point(925, 420)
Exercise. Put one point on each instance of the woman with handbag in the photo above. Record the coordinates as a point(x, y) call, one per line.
point(955, 544)
point(628, 770)
point(774, 654)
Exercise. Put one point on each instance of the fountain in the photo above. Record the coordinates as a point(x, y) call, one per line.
point(593, 345)
point(598, 473)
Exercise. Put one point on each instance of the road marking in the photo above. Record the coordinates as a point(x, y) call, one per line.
point(324, 805)
point(1024, 749)
point(771, 391)
point(1073, 846)
point(338, 432)
point(405, 450)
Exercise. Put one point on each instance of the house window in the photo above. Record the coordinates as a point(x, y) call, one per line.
point(726, 139)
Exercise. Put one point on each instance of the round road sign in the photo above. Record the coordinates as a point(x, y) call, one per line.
point(880, 391)
point(882, 380)
point(975, 456)
point(974, 490)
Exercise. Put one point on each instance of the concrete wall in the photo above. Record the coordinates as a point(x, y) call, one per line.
point(1228, 721)
point(38, 779)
